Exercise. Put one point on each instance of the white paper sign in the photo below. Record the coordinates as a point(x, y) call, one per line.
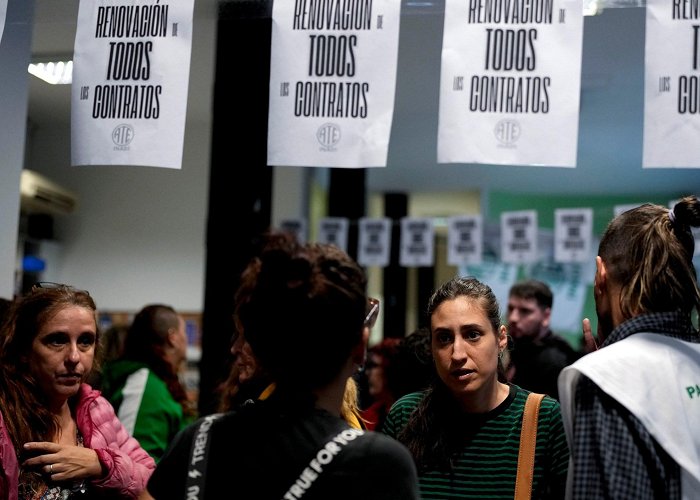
point(573, 234)
point(510, 82)
point(519, 237)
point(298, 227)
point(332, 82)
point(334, 230)
point(417, 242)
point(671, 83)
point(464, 240)
point(131, 71)
point(374, 241)
point(3, 13)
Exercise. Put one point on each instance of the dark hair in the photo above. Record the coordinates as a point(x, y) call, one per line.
point(533, 289)
point(146, 341)
point(301, 308)
point(23, 404)
point(113, 340)
point(648, 251)
point(4, 308)
point(415, 362)
point(111, 348)
point(435, 429)
point(469, 287)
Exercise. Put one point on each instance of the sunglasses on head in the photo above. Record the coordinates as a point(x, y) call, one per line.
point(372, 312)
point(50, 285)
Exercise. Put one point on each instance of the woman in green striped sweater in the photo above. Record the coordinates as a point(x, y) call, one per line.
point(464, 430)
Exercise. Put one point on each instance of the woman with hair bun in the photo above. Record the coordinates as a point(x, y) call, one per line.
point(306, 315)
point(631, 408)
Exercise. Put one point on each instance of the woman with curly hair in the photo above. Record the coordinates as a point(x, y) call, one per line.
point(59, 438)
point(305, 313)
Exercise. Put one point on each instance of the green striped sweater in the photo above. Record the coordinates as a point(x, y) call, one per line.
point(485, 468)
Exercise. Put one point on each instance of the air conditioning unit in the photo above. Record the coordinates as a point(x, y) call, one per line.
point(39, 194)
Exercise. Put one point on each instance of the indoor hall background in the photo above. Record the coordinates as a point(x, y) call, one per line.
point(141, 233)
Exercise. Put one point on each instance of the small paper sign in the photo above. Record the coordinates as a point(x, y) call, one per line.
point(417, 242)
point(296, 227)
point(519, 237)
point(374, 243)
point(573, 234)
point(465, 240)
point(334, 231)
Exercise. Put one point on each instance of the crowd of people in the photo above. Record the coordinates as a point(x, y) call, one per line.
point(482, 402)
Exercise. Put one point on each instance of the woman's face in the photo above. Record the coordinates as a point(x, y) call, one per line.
point(465, 348)
point(63, 351)
point(375, 375)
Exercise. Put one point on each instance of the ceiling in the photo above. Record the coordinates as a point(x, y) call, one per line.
point(611, 106)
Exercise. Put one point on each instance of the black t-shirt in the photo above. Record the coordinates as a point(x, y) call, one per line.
point(259, 453)
point(539, 362)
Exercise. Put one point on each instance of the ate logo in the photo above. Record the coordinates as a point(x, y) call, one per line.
point(507, 132)
point(328, 135)
point(122, 135)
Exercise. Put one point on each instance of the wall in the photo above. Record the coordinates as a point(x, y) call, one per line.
point(14, 57)
point(138, 234)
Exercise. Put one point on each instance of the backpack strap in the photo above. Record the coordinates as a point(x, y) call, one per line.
point(528, 439)
point(316, 467)
point(199, 451)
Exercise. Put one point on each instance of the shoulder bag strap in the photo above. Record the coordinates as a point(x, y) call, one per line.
point(528, 438)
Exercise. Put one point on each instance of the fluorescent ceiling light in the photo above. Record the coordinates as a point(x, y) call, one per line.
point(592, 7)
point(55, 73)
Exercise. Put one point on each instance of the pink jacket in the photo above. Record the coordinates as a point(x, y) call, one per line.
point(128, 465)
point(9, 468)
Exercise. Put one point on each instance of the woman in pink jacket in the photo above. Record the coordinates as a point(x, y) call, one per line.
point(58, 437)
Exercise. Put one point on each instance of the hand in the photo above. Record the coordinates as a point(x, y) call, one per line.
point(62, 462)
point(588, 338)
